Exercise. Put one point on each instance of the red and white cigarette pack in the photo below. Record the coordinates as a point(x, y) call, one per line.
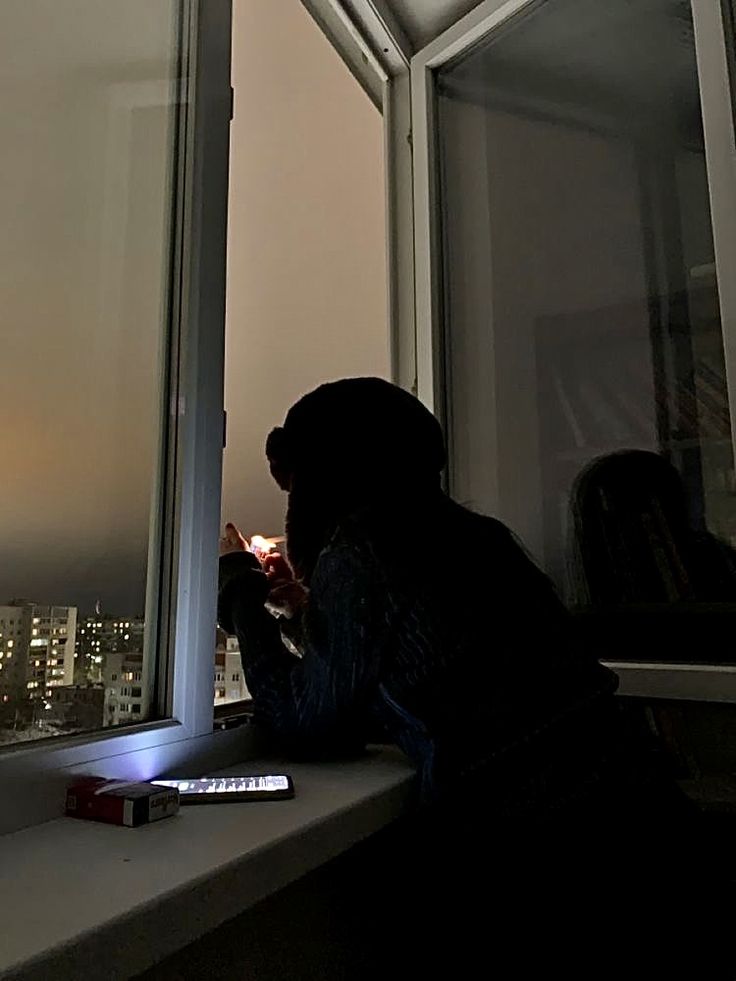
point(120, 802)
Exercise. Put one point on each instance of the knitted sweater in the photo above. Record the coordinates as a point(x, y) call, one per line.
point(466, 663)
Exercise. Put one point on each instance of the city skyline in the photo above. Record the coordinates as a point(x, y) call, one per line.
point(63, 673)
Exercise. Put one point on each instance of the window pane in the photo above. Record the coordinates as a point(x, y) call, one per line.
point(87, 118)
point(582, 317)
point(306, 206)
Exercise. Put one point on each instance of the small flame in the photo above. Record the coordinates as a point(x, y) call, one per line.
point(262, 546)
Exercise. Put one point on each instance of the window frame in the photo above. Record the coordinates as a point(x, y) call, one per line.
point(187, 734)
point(700, 682)
point(377, 52)
point(184, 595)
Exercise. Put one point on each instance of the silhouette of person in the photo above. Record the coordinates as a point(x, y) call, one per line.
point(431, 622)
point(632, 538)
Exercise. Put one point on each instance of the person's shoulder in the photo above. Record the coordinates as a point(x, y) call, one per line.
point(492, 526)
point(501, 557)
point(484, 529)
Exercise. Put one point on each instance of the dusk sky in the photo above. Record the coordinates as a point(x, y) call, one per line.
point(307, 261)
point(85, 162)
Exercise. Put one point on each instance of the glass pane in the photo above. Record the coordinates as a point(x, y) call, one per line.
point(87, 116)
point(320, 226)
point(588, 406)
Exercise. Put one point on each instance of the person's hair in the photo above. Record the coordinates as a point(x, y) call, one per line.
point(349, 445)
point(632, 539)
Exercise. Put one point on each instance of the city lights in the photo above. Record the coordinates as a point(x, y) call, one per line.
point(44, 692)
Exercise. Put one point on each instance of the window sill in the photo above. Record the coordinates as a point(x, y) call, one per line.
point(689, 682)
point(138, 895)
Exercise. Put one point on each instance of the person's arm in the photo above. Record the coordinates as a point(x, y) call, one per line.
point(317, 704)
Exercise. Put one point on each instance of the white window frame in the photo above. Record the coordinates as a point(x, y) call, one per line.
point(124, 99)
point(700, 682)
point(34, 775)
point(371, 44)
point(375, 49)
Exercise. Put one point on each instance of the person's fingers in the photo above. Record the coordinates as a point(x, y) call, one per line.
point(276, 567)
point(234, 536)
point(231, 533)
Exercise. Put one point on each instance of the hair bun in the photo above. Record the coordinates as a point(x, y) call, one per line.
point(279, 457)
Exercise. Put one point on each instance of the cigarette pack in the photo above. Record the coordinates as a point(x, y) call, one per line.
point(120, 802)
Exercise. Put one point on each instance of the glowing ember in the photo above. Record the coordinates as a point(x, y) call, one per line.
point(262, 546)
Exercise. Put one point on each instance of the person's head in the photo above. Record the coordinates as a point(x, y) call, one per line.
point(628, 484)
point(628, 508)
point(349, 445)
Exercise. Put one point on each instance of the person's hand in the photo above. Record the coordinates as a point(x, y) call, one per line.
point(286, 595)
point(287, 598)
point(241, 578)
point(277, 568)
point(233, 541)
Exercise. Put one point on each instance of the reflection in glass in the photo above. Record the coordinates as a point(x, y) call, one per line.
point(634, 541)
point(580, 294)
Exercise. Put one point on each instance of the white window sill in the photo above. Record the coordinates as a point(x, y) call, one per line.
point(82, 894)
point(689, 682)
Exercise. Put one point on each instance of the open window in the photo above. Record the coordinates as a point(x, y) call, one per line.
point(306, 292)
point(117, 128)
point(576, 224)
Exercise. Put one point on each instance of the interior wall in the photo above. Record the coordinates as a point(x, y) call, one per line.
point(307, 267)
